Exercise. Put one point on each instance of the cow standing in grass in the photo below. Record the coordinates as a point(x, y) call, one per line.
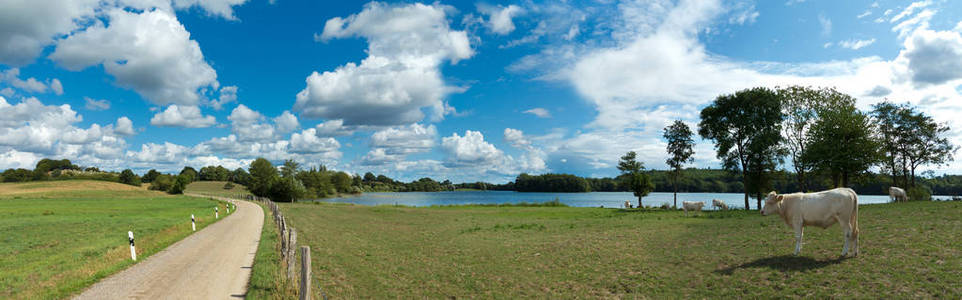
point(719, 204)
point(822, 209)
point(897, 194)
point(691, 205)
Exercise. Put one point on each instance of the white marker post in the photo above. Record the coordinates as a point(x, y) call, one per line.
point(133, 253)
point(192, 224)
point(216, 212)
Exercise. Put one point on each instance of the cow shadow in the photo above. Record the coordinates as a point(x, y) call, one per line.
point(784, 263)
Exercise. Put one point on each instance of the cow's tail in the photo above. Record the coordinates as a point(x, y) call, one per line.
point(854, 219)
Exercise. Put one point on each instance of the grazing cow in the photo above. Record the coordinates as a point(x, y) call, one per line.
point(719, 204)
point(627, 204)
point(822, 209)
point(691, 205)
point(897, 194)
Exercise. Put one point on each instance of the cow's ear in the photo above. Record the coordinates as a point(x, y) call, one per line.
point(779, 198)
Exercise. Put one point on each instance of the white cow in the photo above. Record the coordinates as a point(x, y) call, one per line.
point(691, 205)
point(822, 209)
point(719, 204)
point(897, 194)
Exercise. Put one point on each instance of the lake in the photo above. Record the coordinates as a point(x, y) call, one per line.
point(595, 199)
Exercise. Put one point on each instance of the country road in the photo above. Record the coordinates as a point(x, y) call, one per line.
point(213, 263)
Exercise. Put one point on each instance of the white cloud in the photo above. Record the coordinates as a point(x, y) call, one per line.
point(56, 86)
point(933, 57)
point(221, 8)
point(7, 92)
point(414, 138)
point(908, 10)
point(26, 27)
point(307, 141)
point(856, 44)
point(516, 138)
point(499, 17)
point(470, 150)
point(32, 85)
point(538, 111)
point(124, 127)
point(149, 52)
point(401, 75)
point(159, 153)
point(826, 24)
point(243, 115)
point(864, 14)
point(182, 116)
point(743, 13)
point(286, 122)
point(228, 94)
point(793, 2)
point(332, 128)
point(12, 159)
point(94, 104)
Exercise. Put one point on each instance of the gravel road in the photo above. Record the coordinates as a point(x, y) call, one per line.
point(213, 263)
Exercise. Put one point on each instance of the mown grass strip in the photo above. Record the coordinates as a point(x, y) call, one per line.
point(268, 277)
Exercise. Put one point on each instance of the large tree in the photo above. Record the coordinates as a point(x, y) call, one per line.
point(746, 129)
point(635, 178)
point(909, 139)
point(263, 175)
point(680, 152)
point(841, 144)
point(802, 107)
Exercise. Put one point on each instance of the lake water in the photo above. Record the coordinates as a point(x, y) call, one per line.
point(596, 199)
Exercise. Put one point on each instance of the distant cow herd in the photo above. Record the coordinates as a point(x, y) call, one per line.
point(822, 209)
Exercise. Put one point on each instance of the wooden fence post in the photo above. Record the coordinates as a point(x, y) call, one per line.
point(292, 251)
point(305, 289)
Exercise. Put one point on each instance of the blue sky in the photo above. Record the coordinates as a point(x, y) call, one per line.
point(459, 90)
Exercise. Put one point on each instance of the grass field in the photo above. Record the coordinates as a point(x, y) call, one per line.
point(908, 250)
point(215, 188)
point(59, 237)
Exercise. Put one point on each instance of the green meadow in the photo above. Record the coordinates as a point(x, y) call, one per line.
point(58, 237)
point(908, 250)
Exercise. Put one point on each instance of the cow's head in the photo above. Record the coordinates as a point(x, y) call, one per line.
point(771, 203)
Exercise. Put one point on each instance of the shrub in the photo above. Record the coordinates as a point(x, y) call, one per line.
point(128, 177)
point(162, 182)
point(919, 193)
point(180, 183)
point(228, 185)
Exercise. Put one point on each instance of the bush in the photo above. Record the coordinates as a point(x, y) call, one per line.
point(180, 183)
point(162, 182)
point(17, 175)
point(128, 177)
point(228, 186)
point(919, 193)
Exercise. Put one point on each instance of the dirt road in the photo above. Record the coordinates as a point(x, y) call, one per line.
point(213, 263)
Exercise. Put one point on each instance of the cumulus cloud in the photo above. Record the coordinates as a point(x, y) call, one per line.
point(286, 122)
point(540, 112)
point(401, 75)
point(470, 150)
point(934, 57)
point(150, 52)
point(307, 141)
point(94, 104)
point(500, 17)
point(31, 85)
point(332, 128)
point(182, 116)
point(124, 127)
point(26, 27)
point(250, 125)
point(228, 94)
point(414, 138)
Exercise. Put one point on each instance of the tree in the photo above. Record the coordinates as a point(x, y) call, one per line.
point(263, 174)
point(342, 182)
point(802, 107)
point(680, 143)
point(909, 139)
point(841, 144)
point(290, 168)
point(369, 177)
point(180, 184)
point(162, 182)
point(746, 129)
point(191, 173)
point(150, 176)
point(240, 176)
point(636, 180)
point(128, 177)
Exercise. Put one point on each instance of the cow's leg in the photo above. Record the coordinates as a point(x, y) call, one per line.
point(798, 237)
point(846, 233)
